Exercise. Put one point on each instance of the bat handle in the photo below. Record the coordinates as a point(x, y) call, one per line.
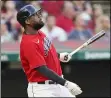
point(66, 57)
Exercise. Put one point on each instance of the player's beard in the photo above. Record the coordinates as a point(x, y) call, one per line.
point(38, 26)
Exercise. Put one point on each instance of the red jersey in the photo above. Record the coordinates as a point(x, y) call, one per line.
point(37, 50)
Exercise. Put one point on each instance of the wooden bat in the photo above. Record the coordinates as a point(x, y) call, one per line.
point(88, 42)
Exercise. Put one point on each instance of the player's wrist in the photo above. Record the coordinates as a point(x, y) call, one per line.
point(66, 84)
point(62, 81)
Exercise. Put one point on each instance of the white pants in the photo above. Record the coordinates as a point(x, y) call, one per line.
point(47, 90)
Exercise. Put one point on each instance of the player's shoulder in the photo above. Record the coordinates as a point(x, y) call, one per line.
point(27, 43)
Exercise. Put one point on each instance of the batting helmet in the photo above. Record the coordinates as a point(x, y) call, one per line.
point(26, 12)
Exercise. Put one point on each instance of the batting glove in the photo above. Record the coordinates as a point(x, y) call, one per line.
point(73, 88)
point(64, 57)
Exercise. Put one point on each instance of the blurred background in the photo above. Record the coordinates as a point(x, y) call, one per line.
point(68, 24)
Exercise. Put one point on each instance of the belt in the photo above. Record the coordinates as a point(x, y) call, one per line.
point(47, 82)
point(44, 82)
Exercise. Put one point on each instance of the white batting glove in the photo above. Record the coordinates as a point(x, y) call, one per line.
point(73, 88)
point(64, 57)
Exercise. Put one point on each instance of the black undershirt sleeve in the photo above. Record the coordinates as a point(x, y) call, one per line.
point(51, 75)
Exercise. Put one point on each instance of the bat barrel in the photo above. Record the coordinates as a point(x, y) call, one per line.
point(91, 40)
point(97, 36)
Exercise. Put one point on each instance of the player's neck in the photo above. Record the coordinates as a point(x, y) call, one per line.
point(30, 30)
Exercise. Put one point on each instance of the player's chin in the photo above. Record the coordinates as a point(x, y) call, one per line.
point(41, 23)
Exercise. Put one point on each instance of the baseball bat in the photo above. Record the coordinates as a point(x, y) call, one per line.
point(88, 42)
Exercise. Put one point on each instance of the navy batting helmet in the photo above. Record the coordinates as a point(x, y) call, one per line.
point(26, 12)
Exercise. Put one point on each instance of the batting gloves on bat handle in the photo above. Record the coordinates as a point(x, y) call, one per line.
point(65, 57)
point(73, 88)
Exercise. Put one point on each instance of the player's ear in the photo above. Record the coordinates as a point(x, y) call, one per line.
point(27, 21)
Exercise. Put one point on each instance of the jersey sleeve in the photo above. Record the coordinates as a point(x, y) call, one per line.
point(35, 59)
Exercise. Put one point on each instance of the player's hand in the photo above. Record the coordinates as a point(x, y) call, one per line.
point(73, 88)
point(65, 57)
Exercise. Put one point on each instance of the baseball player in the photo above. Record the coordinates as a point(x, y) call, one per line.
point(40, 61)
